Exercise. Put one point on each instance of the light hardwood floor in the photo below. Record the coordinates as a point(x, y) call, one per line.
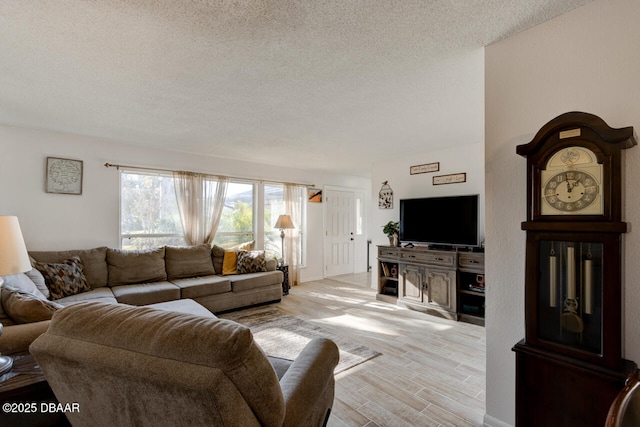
point(431, 371)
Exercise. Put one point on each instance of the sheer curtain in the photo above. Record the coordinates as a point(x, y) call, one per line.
point(200, 202)
point(292, 239)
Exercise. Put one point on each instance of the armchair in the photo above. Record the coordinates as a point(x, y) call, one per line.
point(625, 410)
point(141, 366)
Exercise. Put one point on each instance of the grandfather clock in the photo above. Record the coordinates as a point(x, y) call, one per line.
point(569, 367)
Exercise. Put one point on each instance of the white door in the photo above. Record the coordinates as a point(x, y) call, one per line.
point(339, 232)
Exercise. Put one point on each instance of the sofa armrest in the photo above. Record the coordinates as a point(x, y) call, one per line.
point(309, 383)
point(18, 338)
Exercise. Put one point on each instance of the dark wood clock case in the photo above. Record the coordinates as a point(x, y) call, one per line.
point(569, 366)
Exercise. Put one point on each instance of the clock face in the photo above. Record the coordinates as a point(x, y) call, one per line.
point(571, 192)
point(571, 184)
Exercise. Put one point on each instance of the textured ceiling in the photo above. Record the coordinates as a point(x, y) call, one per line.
point(329, 85)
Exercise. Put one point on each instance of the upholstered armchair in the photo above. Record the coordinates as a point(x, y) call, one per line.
point(127, 365)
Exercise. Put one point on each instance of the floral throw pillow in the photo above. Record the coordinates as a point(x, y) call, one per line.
point(251, 262)
point(65, 278)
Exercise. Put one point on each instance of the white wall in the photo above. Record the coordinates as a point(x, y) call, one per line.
point(55, 221)
point(466, 158)
point(586, 60)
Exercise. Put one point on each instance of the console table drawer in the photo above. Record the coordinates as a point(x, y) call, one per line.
point(471, 261)
point(445, 259)
point(387, 252)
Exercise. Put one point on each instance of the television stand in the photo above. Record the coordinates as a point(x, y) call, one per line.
point(444, 282)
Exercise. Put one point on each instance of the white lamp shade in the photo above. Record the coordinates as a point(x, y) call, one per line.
point(14, 258)
point(284, 221)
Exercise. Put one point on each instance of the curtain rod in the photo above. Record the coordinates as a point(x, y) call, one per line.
point(111, 165)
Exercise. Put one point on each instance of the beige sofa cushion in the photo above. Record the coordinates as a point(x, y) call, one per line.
point(196, 287)
point(271, 264)
point(217, 256)
point(128, 267)
point(24, 307)
point(94, 262)
point(188, 261)
point(146, 293)
point(102, 294)
point(245, 282)
point(187, 306)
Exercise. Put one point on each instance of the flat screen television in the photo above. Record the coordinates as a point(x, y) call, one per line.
point(447, 221)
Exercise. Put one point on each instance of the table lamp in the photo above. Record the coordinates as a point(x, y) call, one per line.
point(14, 259)
point(283, 222)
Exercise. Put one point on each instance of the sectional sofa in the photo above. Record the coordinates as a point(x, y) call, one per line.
point(216, 278)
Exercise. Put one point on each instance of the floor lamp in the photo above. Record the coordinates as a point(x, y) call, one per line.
point(14, 259)
point(283, 223)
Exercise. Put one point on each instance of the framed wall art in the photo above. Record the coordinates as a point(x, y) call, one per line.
point(64, 176)
point(314, 195)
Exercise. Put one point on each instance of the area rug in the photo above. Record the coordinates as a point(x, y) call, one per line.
point(283, 335)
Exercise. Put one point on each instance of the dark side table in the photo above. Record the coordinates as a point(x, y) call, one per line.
point(285, 280)
point(24, 394)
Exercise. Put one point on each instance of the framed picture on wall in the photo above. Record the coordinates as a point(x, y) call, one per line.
point(64, 176)
point(314, 195)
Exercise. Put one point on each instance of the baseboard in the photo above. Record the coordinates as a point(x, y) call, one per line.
point(490, 421)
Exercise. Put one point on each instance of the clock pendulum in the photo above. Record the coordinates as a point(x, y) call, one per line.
point(553, 277)
point(587, 265)
point(570, 318)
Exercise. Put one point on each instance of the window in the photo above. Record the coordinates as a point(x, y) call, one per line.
point(149, 214)
point(236, 225)
point(273, 208)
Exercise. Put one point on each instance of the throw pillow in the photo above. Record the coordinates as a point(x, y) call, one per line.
point(22, 283)
point(230, 263)
point(23, 307)
point(38, 279)
point(251, 262)
point(218, 252)
point(246, 246)
point(64, 279)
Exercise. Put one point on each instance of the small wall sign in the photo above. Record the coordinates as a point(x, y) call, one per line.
point(453, 178)
point(426, 168)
